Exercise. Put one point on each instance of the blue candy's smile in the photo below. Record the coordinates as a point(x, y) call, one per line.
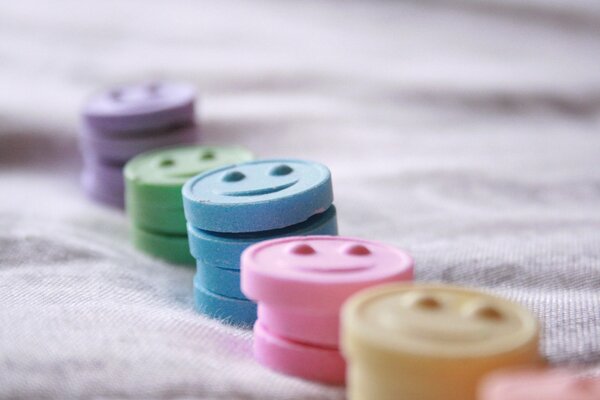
point(258, 192)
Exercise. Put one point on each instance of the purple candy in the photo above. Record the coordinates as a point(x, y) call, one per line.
point(131, 108)
point(124, 148)
point(103, 182)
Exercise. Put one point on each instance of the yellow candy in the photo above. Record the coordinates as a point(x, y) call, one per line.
point(416, 342)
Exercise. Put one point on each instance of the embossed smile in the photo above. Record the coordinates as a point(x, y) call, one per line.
point(258, 192)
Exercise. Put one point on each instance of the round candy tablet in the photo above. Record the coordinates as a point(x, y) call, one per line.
point(300, 283)
point(140, 107)
point(122, 149)
point(257, 196)
point(156, 177)
point(103, 182)
point(546, 384)
point(224, 250)
point(298, 359)
point(432, 342)
point(171, 248)
point(228, 309)
point(221, 281)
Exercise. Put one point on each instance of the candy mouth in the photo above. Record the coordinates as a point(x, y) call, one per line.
point(258, 192)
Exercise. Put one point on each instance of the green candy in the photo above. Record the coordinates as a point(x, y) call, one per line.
point(153, 182)
point(170, 248)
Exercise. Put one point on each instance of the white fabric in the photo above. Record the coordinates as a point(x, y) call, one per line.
point(466, 132)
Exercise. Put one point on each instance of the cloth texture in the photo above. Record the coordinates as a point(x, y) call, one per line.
point(465, 132)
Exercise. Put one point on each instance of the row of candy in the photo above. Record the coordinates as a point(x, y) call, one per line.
point(250, 228)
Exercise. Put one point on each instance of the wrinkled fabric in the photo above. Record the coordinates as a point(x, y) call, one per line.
point(465, 132)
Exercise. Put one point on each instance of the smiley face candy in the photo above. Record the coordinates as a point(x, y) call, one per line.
point(257, 196)
point(122, 122)
point(153, 193)
point(300, 284)
point(546, 384)
point(432, 342)
point(133, 109)
point(228, 209)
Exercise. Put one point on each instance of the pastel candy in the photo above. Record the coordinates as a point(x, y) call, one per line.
point(227, 309)
point(432, 342)
point(171, 248)
point(297, 359)
point(121, 149)
point(103, 183)
point(156, 177)
point(542, 384)
point(300, 284)
point(154, 180)
point(140, 107)
point(257, 196)
point(221, 281)
point(218, 259)
point(224, 249)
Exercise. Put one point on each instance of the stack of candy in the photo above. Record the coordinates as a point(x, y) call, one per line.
point(228, 209)
point(432, 342)
point(300, 285)
point(153, 182)
point(125, 121)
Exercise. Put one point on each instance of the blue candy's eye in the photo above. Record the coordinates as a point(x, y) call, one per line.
point(233, 176)
point(281, 170)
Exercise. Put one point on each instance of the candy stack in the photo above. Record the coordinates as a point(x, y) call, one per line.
point(153, 182)
point(231, 208)
point(432, 342)
point(122, 122)
point(300, 285)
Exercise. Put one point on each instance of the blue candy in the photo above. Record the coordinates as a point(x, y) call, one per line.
point(221, 281)
point(257, 196)
point(230, 310)
point(224, 250)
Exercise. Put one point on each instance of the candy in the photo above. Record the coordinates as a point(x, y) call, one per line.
point(231, 208)
point(120, 123)
point(431, 342)
point(153, 194)
point(543, 384)
point(257, 196)
point(122, 148)
point(300, 284)
point(136, 108)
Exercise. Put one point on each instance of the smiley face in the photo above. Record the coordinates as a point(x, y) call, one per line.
point(258, 196)
point(319, 272)
point(141, 106)
point(545, 384)
point(159, 174)
point(141, 98)
point(440, 321)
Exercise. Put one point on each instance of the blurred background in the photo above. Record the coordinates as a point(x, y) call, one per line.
point(465, 131)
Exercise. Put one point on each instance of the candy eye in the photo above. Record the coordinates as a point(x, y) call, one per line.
point(302, 249)
point(357, 250)
point(233, 176)
point(207, 155)
point(281, 170)
point(167, 162)
point(428, 303)
point(153, 87)
point(486, 312)
point(116, 95)
point(422, 302)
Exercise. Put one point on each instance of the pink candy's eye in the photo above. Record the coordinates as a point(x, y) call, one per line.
point(302, 249)
point(357, 250)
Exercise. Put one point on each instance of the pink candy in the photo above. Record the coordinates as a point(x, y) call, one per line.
point(540, 385)
point(300, 284)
